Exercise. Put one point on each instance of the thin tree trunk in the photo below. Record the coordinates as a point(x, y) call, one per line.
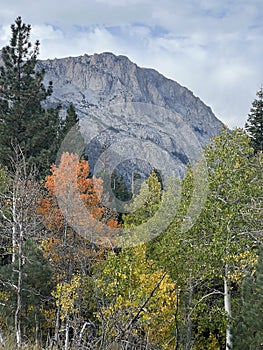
point(19, 291)
point(81, 333)
point(14, 233)
point(176, 319)
point(227, 305)
point(13, 243)
point(2, 339)
point(67, 334)
point(36, 328)
point(132, 183)
point(189, 337)
point(135, 317)
point(56, 335)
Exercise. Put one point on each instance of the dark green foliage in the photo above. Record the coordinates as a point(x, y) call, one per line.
point(23, 120)
point(37, 286)
point(70, 138)
point(119, 187)
point(71, 120)
point(254, 125)
point(248, 328)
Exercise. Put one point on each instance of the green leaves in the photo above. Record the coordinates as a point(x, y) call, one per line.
point(248, 325)
point(220, 236)
point(254, 125)
point(37, 285)
point(127, 282)
point(38, 131)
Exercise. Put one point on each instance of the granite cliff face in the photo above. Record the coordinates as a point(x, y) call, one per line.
point(122, 105)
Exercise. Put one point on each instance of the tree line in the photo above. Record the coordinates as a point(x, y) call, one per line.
point(197, 285)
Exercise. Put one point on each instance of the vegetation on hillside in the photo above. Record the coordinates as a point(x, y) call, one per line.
point(70, 277)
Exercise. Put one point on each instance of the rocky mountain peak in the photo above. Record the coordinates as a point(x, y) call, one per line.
point(120, 100)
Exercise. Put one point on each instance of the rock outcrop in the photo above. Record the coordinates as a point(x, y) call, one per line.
point(122, 105)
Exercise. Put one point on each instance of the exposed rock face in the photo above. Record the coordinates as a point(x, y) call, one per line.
point(122, 105)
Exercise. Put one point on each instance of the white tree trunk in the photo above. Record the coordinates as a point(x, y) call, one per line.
point(19, 290)
point(227, 305)
point(189, 335)
point(2, 339)
point(67, 334)
point(14, 234)
point(56, 335)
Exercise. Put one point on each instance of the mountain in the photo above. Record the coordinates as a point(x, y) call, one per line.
point(131, 112)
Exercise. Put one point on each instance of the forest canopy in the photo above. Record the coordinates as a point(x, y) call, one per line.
point(195, 285)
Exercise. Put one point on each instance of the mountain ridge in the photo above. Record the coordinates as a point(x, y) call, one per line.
point(126, 100)
point(117, 95)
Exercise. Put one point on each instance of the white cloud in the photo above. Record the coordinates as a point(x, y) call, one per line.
point(214, 48)
point(4, 35)
point(119, 2)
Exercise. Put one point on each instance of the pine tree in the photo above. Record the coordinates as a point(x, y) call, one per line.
point(254, 125)
point(71, 118)
point(35, 291)
point(23, 120)
point(119, 187)
point(70, 137)
point(247, 332)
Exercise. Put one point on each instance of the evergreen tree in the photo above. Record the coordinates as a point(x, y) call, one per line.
point(71, 119)
point(247, 332)
point(254, 125)
point(70, 138)
point(119, 187)
point(37, 286)
point(23, 120)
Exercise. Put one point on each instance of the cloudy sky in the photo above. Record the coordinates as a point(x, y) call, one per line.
point(215, 48)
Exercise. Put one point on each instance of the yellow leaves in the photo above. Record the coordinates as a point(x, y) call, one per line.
point(237, 165)
point(242, 262)
point(66, 294)
point(127, 281)
point(4, 296)
point(49, 316)
point(207, 343)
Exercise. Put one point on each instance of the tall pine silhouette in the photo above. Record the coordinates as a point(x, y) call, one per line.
point(247, 332)
point(254, 124)
point(24, 120)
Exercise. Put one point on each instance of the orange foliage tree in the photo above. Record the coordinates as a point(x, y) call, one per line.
point(80, 231)
point(72, 212)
